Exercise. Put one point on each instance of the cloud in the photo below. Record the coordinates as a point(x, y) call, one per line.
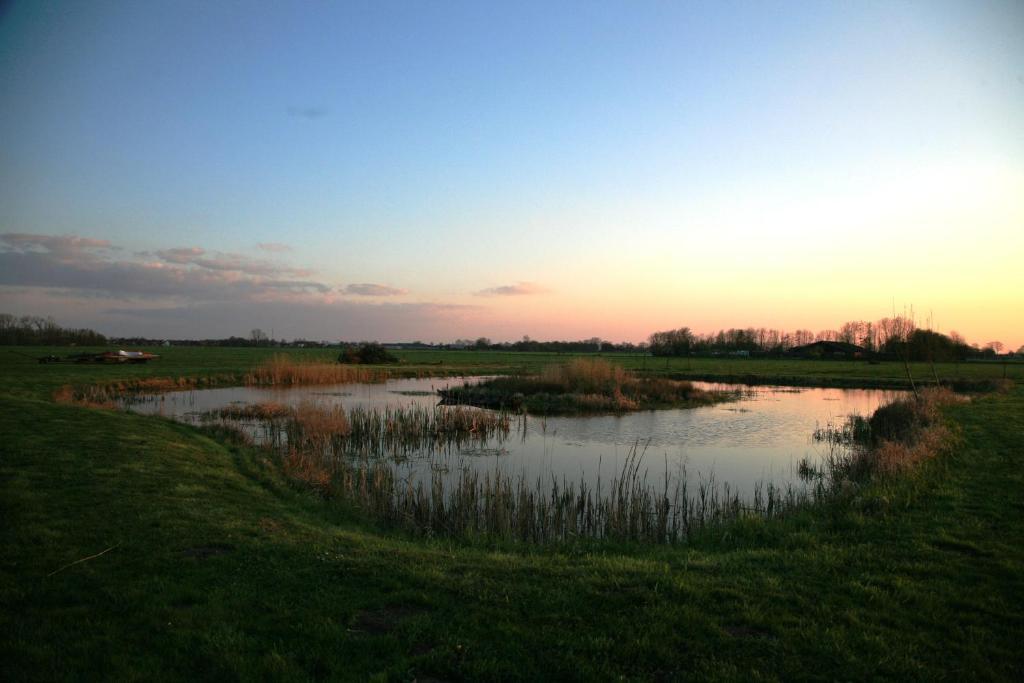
point(60, 246)
point(518, 289)
point(228, 262)
point(275, 247)
point(296, 286)
point(308, 112)
point(86, 265)
point(348, 320)
point(190, 292)
point(181, 254)
point(370, 289)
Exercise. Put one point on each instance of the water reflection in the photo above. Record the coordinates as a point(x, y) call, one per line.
point(761, 438)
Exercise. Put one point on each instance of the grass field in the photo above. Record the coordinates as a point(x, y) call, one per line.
point(24, 376)
point(216, 567)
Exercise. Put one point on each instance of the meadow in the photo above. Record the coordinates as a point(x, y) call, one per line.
point(134, 547)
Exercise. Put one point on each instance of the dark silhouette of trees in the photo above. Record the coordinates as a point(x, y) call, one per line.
point(36, 330)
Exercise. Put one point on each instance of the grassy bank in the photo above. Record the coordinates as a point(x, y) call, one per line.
point(215, 566)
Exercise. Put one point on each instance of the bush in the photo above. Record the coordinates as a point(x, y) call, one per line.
point(367, 353)
point(897, 421)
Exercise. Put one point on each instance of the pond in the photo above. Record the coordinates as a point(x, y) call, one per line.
point(757, 440)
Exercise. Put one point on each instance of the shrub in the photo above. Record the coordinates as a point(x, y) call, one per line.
point(367, 353)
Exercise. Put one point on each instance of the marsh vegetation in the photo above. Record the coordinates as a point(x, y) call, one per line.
point(737, 587)
point(582, 386)
point(388, 450)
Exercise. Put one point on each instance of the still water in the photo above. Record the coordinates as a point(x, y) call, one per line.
point(760, 438)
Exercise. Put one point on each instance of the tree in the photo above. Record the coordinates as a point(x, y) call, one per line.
point(258, 337)
point(671, 342)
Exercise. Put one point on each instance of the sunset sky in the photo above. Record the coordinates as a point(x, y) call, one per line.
point(433, 171)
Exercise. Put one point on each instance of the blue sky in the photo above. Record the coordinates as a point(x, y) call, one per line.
point(580, 155)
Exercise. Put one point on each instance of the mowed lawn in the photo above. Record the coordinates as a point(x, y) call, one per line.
point(214, 566)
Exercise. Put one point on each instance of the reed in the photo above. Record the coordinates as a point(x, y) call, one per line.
point(896, 438)
point(582, 386)
point(495, 505)
point(499, 506)
point(110, 394)
point(393, 431)
point(252, 411)
point(282, 370)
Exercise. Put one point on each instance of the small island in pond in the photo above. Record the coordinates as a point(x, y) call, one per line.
point(579, 387)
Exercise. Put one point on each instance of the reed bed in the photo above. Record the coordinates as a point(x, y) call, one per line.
point(395, 431)
point(496, 505)
point(582, 386)
point(110, 394)
point(894, 439)
point(331, 431)
point(281, 370)
point(252, 411)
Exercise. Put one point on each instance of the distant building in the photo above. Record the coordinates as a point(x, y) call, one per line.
point(828, 349)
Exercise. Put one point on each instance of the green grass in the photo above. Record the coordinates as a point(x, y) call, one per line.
point(25, 377)
point(221, 569)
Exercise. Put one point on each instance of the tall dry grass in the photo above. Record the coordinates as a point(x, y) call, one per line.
point(896, 438)
point(396, 431)
point(581, 386)
point(109, 394)
point(282, 370)
point(332, 431)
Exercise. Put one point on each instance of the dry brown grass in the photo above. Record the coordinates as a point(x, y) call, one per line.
point(582, 385)
point(587, 376)
point(314, 424)
point(308, 470)
point(926, 435)
point(253, 411)
point(895, 439)
point(281, 370)
point(108, 394)
point(90, 397)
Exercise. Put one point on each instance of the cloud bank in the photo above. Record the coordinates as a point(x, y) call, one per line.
point(518, 289)
point(370, 289)
point(189, 291)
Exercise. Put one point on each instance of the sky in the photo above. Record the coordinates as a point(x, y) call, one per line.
point(433, 171)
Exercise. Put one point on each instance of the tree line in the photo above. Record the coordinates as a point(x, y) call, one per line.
point(592, 345)
point(897, 336)
point(31, 330)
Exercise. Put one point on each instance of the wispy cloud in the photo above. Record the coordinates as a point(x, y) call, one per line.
point(518, 289)
point(370, 289)
point(95, 266)
point(197, 256)
point(60, 246)
point(275, 247)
